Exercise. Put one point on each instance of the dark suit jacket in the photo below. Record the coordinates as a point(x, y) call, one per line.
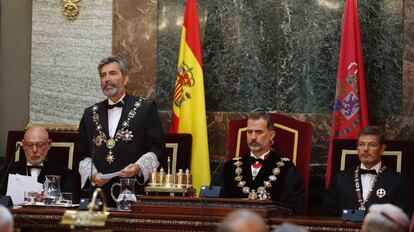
point(148, 136)
point(67, 183)
point(288, 189)
point(341, 192)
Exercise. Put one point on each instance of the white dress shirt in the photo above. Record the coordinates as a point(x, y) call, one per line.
point(255, 171)
point(367, 179)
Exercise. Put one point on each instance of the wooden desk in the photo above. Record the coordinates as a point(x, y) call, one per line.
point(163, 214)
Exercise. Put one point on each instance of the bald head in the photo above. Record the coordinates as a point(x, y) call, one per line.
point(36, 144)
point(6, 220)
point(242, 221)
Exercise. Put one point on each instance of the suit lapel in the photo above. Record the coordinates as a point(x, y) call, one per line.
point(103, 116)
point(248, 175)
point(128, 103)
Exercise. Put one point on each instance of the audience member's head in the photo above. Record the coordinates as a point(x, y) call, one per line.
point(385, 218)
point(36, 144)
point(242, 221)
point(288, 227)
point(6, 220)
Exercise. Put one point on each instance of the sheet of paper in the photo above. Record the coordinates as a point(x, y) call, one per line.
point(108, 175)
point(19, 184)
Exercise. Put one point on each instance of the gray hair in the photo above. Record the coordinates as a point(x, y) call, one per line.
point(288, 227)
point(123, 65)
point(263, 115)
point(386, 218)
point(243, 217)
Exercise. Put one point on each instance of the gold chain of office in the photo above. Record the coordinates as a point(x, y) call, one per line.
point(261, 190)
point(358, 186)
point(123, 133)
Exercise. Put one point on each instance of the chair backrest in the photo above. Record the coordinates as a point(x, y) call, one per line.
point(62, 150)
point(399, 155)
point(293, 140)
point(178, 148)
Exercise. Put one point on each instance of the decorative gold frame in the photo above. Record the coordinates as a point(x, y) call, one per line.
point(56, 127)
point(346, 152)
point(283, 127)
point(174, 146)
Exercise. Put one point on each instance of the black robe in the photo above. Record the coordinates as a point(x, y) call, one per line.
point(148, 136)
point(341, 193)
point(67, 183)
point(288, 190)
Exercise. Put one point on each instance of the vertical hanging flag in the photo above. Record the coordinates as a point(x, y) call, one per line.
point(350, 113)
point(189, 110)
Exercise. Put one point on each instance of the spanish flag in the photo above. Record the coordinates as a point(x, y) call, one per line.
point(189, 110)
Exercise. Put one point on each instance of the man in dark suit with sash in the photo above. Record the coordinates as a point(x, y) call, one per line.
point(121, 134)
point(369, 183)
point(263, 173)
point(36, 145)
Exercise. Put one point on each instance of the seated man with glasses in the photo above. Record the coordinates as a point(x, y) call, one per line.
point(36, 145)
point(369, 183)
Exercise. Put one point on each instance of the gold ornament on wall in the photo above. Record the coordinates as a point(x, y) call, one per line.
point(70, 9)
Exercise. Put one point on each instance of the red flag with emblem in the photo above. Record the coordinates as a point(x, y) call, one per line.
point(350, 113)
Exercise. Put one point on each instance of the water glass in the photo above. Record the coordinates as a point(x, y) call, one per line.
point(66, 199)
point(30, 198)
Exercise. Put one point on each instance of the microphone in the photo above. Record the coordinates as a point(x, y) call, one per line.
point(84, 202)
point(213, 190)
point(92, 158)
point(217, 170)
point(6, 200)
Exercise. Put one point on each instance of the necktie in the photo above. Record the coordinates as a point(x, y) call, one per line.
point(34, 170)
point(119, 104)
point(365, 171)
point(253, 160)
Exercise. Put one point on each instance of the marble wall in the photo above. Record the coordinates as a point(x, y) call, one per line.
point(65, 54)
point(282, 56)
point(277, 55)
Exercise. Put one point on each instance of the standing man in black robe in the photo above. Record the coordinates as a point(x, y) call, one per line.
point(371, 182)
point(36, 145)
point(122, 133)
point(263, 173)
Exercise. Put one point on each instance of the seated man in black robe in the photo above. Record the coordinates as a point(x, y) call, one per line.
point(36, 145)
point(369, 183)
point(263, 173)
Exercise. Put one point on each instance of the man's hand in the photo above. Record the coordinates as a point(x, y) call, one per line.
point(99, 182)
point(130, 170)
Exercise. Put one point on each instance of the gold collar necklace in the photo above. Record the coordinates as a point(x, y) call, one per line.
point(123, 133)
point(261, 190)
point(358, 187)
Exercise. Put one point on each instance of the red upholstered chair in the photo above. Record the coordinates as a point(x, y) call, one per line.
point(293, 140)
point(62, 150)
point(399, 155)
point(178, 148)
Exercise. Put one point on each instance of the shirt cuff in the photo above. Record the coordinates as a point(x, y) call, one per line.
point(147, 163)
point(85, 170)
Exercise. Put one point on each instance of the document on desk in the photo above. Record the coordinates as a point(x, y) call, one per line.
point(108, 175)
point(19, 184)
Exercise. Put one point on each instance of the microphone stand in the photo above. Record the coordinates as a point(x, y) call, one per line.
point(92, 158)
point(6, 200)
